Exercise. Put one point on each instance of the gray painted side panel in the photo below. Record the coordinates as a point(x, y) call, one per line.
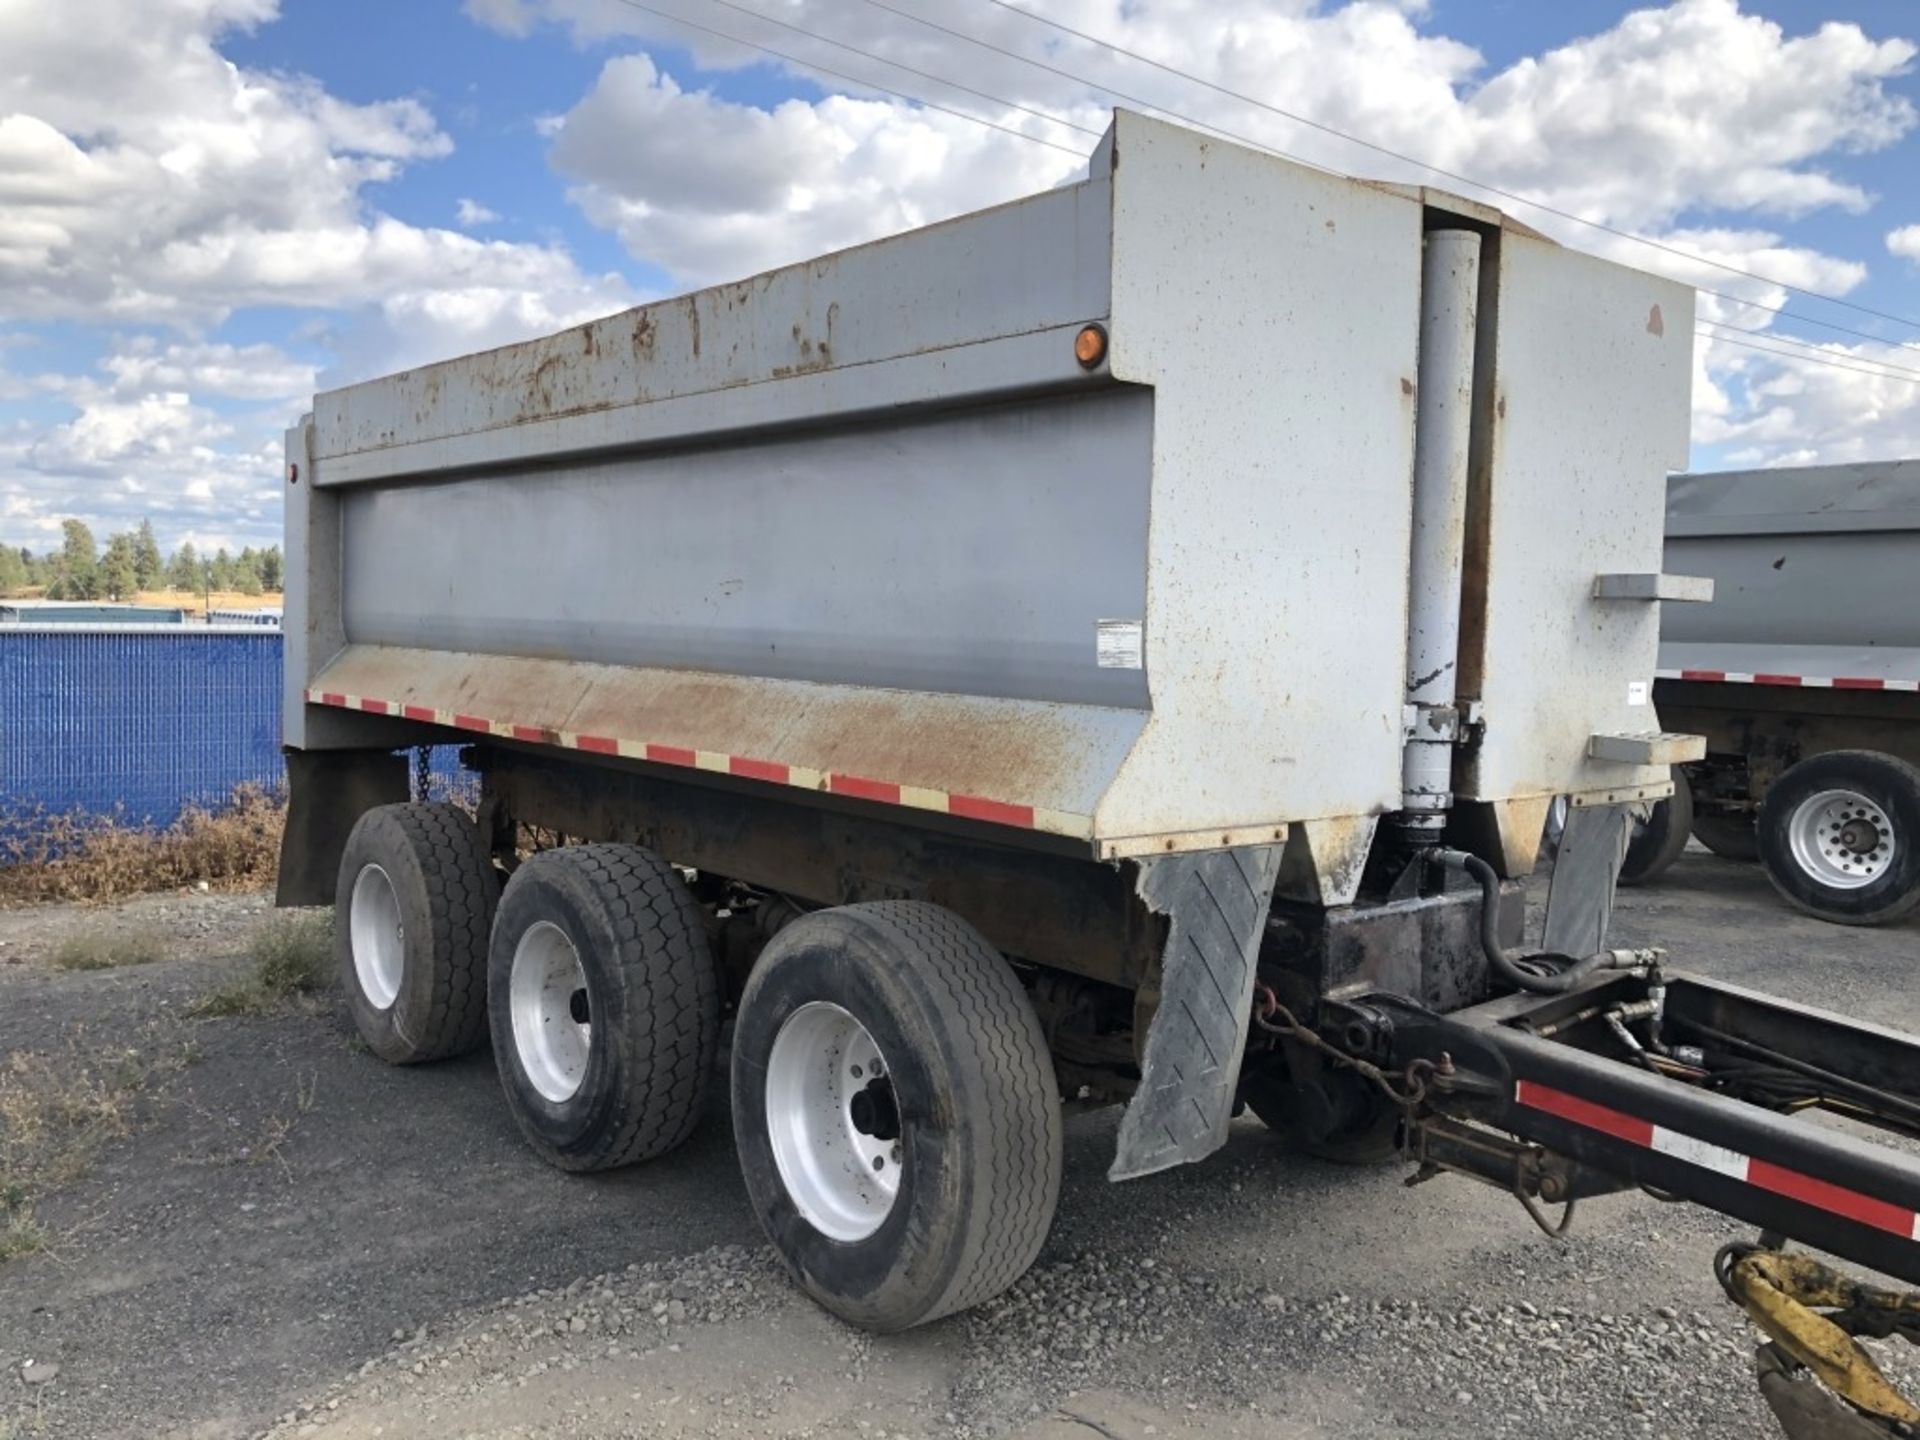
point(968, 552)
point(1836, 588)
point(1034, 264)
point(1878, 495)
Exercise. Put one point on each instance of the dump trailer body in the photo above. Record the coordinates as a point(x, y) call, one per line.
point(867, 526)
point(1813, 571)
point(1809, 652)
point(1015, 660)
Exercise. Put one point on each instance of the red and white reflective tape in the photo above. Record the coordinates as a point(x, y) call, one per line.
point(1761, 1174)
point(775, 772)
point(1808, 682)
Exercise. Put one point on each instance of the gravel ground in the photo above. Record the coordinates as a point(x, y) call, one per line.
point(395, 1263)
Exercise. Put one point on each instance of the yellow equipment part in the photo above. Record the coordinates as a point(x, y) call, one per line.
point(1779, 1292)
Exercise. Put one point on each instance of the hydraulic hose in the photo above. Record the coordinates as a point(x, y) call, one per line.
point(1543, 972)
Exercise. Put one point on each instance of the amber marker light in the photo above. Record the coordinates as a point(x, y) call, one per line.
point(1090, 346)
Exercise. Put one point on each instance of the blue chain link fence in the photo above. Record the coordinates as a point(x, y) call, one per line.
point(143, 721)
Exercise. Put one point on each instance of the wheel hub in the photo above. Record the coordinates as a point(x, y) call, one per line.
point(376, 937)
point(833, 1119)
point(1842, 839)
point(552, 1025)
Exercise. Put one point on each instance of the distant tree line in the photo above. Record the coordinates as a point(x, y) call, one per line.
point(131, 563)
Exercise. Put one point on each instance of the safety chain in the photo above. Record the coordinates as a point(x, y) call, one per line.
point(1408, 1090)
point(423, 773)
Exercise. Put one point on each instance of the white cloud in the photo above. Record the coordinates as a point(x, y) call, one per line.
point(1688, 107)
point(1844, 403)
point(1677, 114)
point(147, 181)
point(122, 459)
point(1905, 241)
point(472, 212)
point(249, 372)
point(711, 189)
point(144, 178)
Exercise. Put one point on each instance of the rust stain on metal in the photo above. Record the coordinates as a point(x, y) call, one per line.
point(643, 335)
point(1655, 324)
point(1406, 386)
point(693, 323)
point(1019, 752)
point(1501, 408)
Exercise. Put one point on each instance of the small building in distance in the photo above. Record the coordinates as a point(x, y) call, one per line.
point(87, 612)
point(264, 615)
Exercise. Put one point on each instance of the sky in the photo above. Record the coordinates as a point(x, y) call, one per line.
point(210, 209)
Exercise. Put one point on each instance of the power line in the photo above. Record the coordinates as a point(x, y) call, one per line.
point(1813, 350)
point(900, 65)
point(1787, 314)
point(1139, 100)
point(1814, 357)
point(1397, 155)
point(1809, 359)
point(820, 69)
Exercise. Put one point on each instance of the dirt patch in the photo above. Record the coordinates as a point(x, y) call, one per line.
point(302, 1238)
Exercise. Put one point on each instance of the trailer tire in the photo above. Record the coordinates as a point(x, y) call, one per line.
point(413, 907)
point(1658, 843)
point(1840, 837)
point(963, 1115)
point(606, 1005)
point(1730, 839)
point(1357, 1125)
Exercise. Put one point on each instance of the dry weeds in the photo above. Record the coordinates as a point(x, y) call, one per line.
point(80, 857)
point(59, 1108)
point(104, 949)
point(292, 955)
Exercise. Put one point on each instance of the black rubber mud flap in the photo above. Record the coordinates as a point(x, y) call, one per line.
point(1217, 904)
point(327, 793)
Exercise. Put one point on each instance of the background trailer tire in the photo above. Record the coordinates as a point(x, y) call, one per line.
point(605, 1004)
point(412, 912)
point(1657, 842)
point(1728, 838)
point(1840, 837)
point(896, 1112)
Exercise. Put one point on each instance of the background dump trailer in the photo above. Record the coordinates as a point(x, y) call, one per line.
point(1804, 676)
point(1122, 645)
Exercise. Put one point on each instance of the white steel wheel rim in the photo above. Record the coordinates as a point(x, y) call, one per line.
point(376, 936)
point(1842, 839)
point(833, 1122)
point(552, 1025)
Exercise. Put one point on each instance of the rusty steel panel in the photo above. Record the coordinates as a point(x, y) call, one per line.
point(1003, 272)
point(1176, 624)
point(1584, 380)
point(1053, 758)
point(1275, 310)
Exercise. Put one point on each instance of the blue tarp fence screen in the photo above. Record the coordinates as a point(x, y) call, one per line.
point(141, 721)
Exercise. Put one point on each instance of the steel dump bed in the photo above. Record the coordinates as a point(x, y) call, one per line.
point(869, 525)
point(1814, 572)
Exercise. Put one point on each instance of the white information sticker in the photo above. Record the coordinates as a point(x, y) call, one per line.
point(1636, 692)
point(1118, 644)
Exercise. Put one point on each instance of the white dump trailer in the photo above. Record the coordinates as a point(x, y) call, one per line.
point(1118, 647)
point(1804, 677)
